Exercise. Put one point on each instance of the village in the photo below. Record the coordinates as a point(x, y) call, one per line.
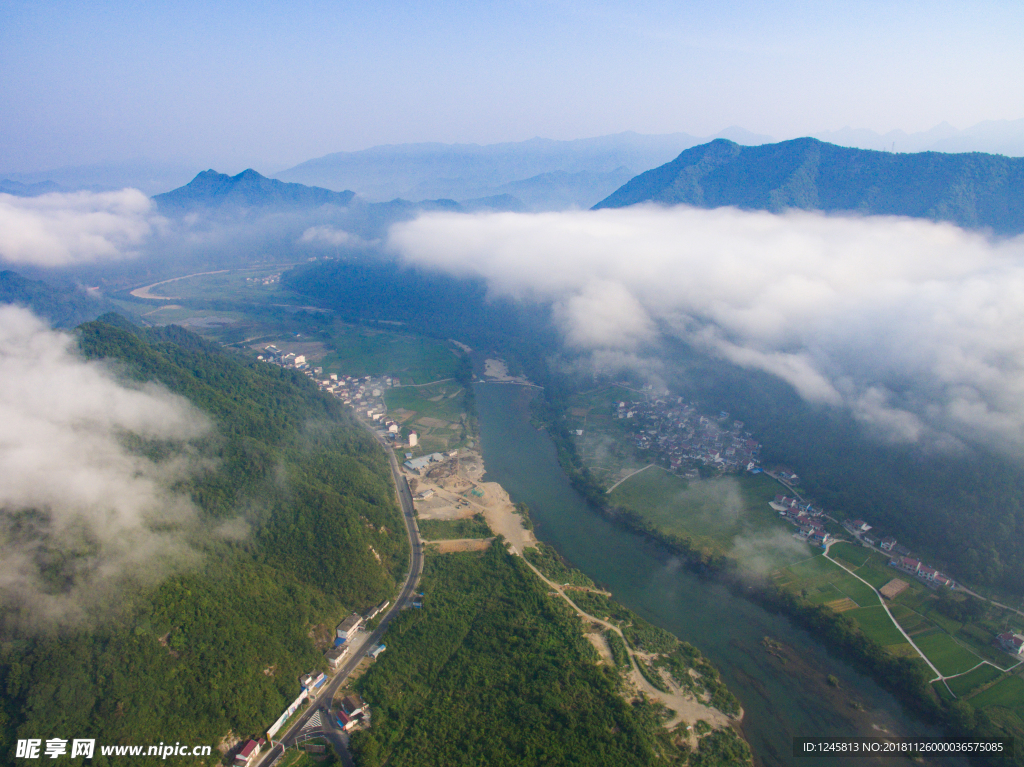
point(810, 524)
point(366, 392)
point(676, 433)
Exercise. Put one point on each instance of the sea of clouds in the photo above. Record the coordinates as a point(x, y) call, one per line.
point(917, 327)
point(81, 507)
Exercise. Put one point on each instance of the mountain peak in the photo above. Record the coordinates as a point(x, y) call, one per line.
point(248, 189)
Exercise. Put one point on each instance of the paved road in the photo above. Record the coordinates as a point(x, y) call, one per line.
point(322, 701)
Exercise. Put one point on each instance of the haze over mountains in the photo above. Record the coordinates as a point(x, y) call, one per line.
point(1004, 137)
point(974, 191)
point(542, 174)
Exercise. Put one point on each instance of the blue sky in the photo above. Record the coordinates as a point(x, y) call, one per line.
point(265, 84)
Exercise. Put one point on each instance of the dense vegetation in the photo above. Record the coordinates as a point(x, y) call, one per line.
point(494, 671)
point(546, 559)
point(219, 646)
point(64, 306)
point(971, 190)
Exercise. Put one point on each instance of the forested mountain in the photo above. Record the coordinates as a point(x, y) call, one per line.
point(64, 307)
point(976, 191)
point(495, 672)
point(219, 645)
point(248, 189)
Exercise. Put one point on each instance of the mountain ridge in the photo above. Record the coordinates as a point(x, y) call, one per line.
point(247, 189)
point(975, 190)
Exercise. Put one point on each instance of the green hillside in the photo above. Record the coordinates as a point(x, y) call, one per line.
point(975, 191)
point(220, 645)
point(63, 306)
point(494, 671)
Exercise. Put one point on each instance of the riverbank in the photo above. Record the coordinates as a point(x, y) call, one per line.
point(905, 678)
point(455, 489)
point(692, 601)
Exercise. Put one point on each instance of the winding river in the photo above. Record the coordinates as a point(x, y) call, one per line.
point(783, 695)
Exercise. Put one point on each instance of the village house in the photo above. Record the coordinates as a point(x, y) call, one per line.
point(1012, 643)
point(907, 565)
point(336, 655)
point(313, 680)
point(927, 573)
point(348, 627)
point(351, 712)
point(248, 754)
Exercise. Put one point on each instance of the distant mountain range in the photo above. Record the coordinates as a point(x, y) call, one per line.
point(147, 175)
point(248, 189)
point(1005, 137)
point(541, 173)
point(975, 191)
point(19, 189)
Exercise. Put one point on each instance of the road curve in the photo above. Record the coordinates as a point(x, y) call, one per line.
point(322, 701)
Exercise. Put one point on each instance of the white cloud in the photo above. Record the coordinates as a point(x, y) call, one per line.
point(60, 229)
point(69, 484)
point(326, 234)
point(917, 327)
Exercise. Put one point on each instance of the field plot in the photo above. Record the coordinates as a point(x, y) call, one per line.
point(820, 581)
point(437, 413)
point(604, 445)
point(727, 515)
point(1007, 694)
point(877, 624)
point(359, 351)
point(968, 683)
point(445, 529)
point(876, 573)
point(911, 620)
point(946, 654)
point(259, 285)
point(851, 554)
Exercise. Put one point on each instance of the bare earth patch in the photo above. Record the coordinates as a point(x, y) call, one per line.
point(842, 605)
point(460, 494)
point(453, 545)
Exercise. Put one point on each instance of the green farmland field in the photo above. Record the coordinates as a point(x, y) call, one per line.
point(725, 515)
point(414, 359)
point(877, 624)
point(851, 554)
point(1008, 693)
point(947, 655)
point(966, 684)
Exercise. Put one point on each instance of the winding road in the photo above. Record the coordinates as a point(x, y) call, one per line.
point(322, 701)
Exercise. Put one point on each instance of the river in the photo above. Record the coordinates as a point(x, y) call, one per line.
point(782, 696)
